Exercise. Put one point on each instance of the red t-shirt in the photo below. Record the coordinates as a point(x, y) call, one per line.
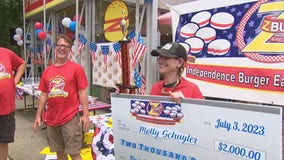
point(189, 89)
point(9, 62)
point(62, 83)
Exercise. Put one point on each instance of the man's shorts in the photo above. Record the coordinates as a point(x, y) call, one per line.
point(7, 128)
point(67, 137)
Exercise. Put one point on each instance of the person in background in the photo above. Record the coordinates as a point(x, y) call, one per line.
point(172, 59)
point(63, 88)
point(12, 68)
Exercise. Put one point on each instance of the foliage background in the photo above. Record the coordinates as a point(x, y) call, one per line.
point(11, 17)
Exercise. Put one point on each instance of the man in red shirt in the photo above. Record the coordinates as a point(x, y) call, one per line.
point(12, 68)
point(172, 59)
point(63, 88)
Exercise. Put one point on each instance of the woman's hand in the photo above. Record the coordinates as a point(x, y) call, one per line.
point(176, 96)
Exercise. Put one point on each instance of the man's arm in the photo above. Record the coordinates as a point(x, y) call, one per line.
point(84, 102)
point(40, 109)
point(20, 71)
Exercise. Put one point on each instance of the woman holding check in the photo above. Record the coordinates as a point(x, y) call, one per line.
point(172, 59)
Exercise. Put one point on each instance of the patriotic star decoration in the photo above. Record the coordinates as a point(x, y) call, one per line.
point(117, 49)
point(132, 38)
point(93, 49)
point(105, 51)
point(137, 79)
point(82, 39)
point(138, 83)
point(82, 42)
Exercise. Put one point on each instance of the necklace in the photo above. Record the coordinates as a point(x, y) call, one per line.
point(170, 85)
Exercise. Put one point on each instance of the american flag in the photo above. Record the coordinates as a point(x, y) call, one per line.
point(139, 71)
point(31, 52)
point(140, 50)
point(93, 49)
point(142, 91)
point(40, 53)
point(105, 51)
point(48, 45)
point(131, 37)
point(39, 56)
point(138, 82)
point(143, 80)
point(82, 42)
point(117, 49)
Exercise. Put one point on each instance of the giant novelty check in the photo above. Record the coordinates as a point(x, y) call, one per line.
point(152, 128)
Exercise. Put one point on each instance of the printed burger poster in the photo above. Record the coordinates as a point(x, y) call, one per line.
point(239, 48)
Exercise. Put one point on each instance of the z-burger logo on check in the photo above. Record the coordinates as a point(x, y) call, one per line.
point(156, 112)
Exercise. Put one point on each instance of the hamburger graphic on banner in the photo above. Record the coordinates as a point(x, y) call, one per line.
point(116, 12)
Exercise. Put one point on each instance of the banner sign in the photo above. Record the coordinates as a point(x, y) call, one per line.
point(241, 77)
point(241, 39)
point(152, 127)
point(34, 6)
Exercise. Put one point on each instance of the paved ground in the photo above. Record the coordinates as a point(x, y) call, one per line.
point(27, 145)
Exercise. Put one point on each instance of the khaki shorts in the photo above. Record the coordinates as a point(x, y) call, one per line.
point(67, 137)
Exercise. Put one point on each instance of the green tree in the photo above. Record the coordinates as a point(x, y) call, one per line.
point(11, 17)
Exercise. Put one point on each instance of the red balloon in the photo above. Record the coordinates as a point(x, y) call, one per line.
point(38, 25)
point(70, 35)
point(42, 35)
point(80, 18)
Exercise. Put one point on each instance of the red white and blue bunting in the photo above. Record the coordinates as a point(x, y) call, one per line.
point(106, 60)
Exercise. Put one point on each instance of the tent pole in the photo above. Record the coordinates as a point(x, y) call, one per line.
point(24, 33)
point(44, 30)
